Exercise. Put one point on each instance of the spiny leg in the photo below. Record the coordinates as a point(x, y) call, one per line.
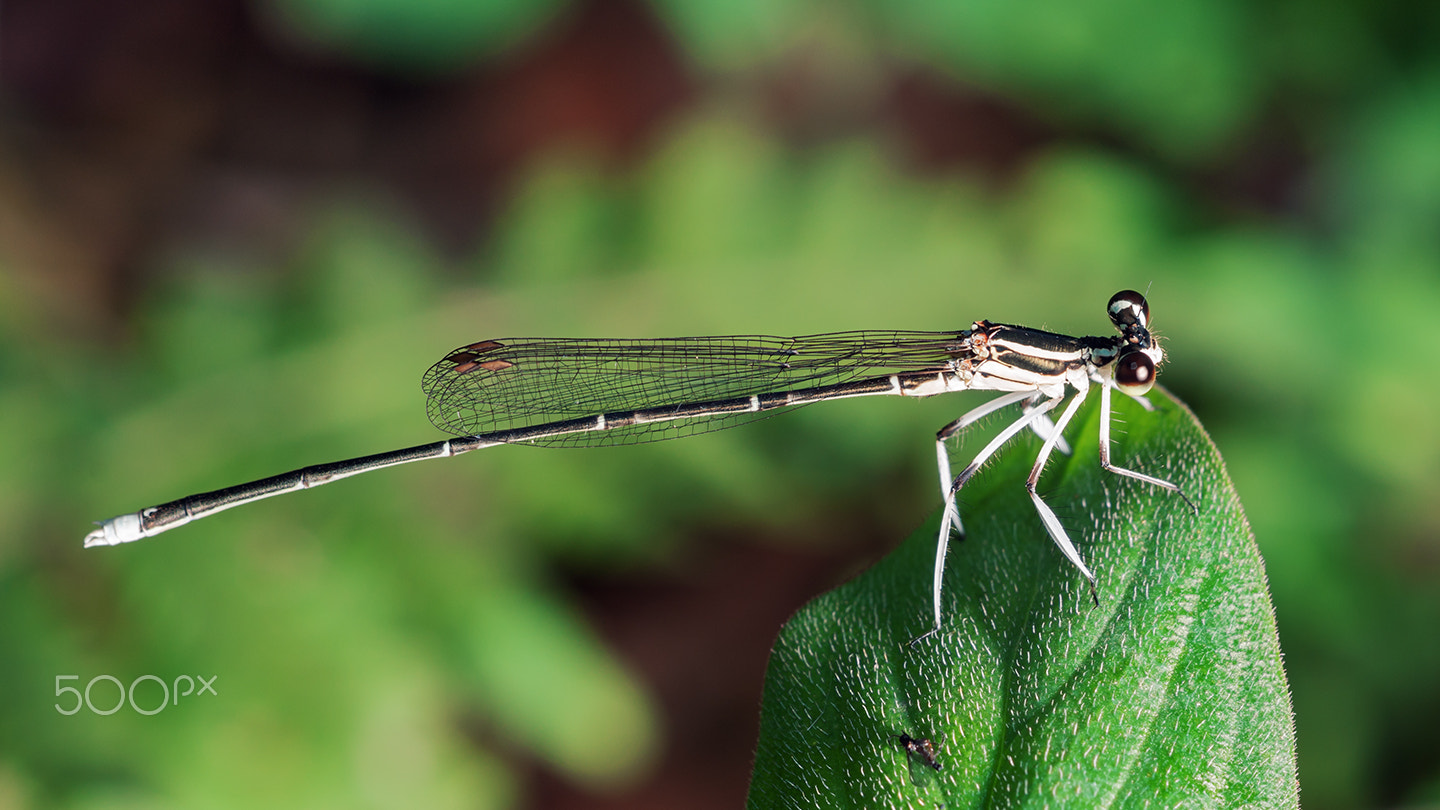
point(1105, 464)
point(1044, 428)
point(942, 456)
point(1047, 515)
point(995, 444)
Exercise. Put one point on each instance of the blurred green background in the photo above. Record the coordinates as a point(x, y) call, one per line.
point(233, 235)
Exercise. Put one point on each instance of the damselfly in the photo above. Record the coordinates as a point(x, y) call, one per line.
point(583, 393)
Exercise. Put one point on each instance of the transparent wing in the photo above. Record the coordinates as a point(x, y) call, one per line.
point(923, 775)
point(510, 383)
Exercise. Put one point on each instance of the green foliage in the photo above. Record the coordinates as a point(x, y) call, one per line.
point(1170, 693)
point(1049, 50)
point(359, 645)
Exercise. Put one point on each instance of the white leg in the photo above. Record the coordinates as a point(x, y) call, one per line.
point(952, 512)
point(1105, 452)
point(1044, 428)
point(942, 455)
point(1047, 515)
point(995, 444)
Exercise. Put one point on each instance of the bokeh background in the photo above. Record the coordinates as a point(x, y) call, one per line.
point(233, 234)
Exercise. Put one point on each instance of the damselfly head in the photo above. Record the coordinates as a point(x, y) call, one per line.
point(1134, 369)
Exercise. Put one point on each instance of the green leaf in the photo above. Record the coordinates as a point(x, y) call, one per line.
point(1169, 694)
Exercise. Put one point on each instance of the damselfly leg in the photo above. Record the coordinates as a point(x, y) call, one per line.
point(1105, 451)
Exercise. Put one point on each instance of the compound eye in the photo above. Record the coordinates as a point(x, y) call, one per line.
point(1129, 308)
point(1134, 373)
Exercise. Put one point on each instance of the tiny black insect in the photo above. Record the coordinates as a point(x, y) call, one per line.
point(920, 749)
point(921, 761)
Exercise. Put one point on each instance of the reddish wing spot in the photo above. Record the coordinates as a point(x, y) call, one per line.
point(467, 359)
point(485, 346)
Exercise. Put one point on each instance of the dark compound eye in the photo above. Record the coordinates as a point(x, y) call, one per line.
point(1134, 373)
point(1128, 308)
